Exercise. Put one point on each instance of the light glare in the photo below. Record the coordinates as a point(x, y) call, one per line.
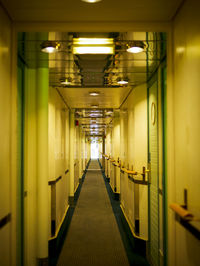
point(94, 93)
point(135, 50)
point(93, 50)
point(92, 41)
point(49, 50)
point(91, 1)
point(122, 82)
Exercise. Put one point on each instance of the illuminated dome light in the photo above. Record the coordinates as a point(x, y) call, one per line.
point(136, 47)
point(91, 1)
point(65, 81)
point(94, 106)
point(109, 112)
point(94, 93)
point(50, 47)
point(121, 81)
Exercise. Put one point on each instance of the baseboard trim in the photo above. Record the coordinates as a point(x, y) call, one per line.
point(116, 196)
point(71, 200)
point(130, 225)
point(60, 225)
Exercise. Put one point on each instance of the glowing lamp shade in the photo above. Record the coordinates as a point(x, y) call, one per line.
point(136, 47)
point(135, 50)
point(93, 50)
point(121, 81)
point(94, 93)
point(50, 47)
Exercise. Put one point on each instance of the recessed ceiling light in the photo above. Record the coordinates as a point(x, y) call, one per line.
point(94, 93)
point(94, 106)
point(91, 1)
point(66, 81)
point(121, 81)
point(136, 47)
point(49, 46)
point(109, 112)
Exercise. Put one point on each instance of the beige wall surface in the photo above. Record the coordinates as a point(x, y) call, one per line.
point(59, 151)
point(76, 156)
point(134, 155)
point(5, 135)
point(186, 53)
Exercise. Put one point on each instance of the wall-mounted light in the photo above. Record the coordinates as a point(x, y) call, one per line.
point(66, 81)
point(50, 47)
point(122, 81)
point(94, 93)
point(136, 47)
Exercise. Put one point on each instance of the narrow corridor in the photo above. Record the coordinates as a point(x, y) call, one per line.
point(93, 237)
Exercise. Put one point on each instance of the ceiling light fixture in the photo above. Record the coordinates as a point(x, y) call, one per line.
point(66, 81)
point(121, 81)
point(94, 106)
point(109, 112)
point(92, 41)
point(50, 47)
point(91, 1)
point(93, 50)
point(94, 93)
point(136, 47)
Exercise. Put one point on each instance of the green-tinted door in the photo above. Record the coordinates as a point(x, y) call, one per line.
point(153, 162)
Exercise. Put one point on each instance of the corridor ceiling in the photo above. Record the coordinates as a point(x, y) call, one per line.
point(104, 11)
point(97, 73)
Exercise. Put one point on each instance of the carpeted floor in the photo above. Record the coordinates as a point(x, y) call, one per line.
point(93, 237)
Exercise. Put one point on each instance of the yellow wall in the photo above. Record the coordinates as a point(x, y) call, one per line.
point(186, 112)
point(76, 157)
point(134, 155)
point(5, 137)
point(58, 152)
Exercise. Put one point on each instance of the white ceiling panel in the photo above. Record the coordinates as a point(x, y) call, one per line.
point(108, 98)
point(106, 10)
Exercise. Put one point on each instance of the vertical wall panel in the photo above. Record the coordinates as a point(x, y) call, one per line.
point(186, 52)
point(153, 159)
point(5, 134)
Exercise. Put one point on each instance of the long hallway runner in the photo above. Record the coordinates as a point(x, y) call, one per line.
point(93, 237)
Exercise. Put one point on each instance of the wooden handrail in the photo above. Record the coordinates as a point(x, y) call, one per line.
point(6, 219)
point(130, 172)
point(67, 171)
point(116, 164)
point(54, 181)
